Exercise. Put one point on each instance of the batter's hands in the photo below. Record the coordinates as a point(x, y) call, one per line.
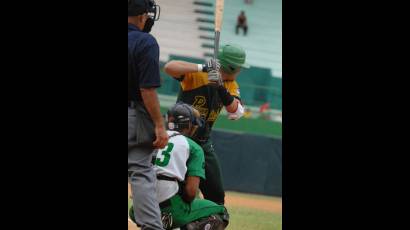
point(214, 77)
point(161, 137)
point(212, 64)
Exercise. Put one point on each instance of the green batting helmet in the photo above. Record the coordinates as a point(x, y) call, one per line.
point(231, 58)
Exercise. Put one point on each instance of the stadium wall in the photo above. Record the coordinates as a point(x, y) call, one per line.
point(249, 163)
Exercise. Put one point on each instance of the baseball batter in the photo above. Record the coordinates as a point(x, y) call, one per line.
point(203, 89)
point(179, 167)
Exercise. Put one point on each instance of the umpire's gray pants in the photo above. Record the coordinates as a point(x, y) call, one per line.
point(142, 178)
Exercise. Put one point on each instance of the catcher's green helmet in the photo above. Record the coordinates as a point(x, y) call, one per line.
point(231, 58)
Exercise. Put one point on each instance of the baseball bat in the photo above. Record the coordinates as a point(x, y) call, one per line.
point(219, 10)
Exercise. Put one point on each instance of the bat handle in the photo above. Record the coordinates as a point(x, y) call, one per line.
point(216, 50)
point(216, 44)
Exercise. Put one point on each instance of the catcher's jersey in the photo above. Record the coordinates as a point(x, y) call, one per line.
point(203, 97)
point(181, 157)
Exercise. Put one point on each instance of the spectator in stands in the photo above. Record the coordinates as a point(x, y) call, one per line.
point(241, 23)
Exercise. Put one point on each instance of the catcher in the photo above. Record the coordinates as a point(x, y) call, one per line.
point(179, 167)
point(208, 88)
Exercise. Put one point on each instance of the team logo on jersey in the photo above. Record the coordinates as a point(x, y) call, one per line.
point(200, 105)
point(213, 115)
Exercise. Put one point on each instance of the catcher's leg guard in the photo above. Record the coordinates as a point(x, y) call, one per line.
point(213, 222)
point(225, 217)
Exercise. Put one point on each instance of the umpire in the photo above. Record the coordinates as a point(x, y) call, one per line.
point(146, 129)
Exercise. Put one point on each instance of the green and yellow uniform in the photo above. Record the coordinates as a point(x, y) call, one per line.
point(196, 91)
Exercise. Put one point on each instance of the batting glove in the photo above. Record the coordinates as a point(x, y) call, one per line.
point(211, 65)
point(214, 77)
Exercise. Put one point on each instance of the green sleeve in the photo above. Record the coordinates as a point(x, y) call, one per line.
point(196, 160)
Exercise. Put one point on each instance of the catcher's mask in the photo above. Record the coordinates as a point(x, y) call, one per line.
point(183, 116)
point(138, 7)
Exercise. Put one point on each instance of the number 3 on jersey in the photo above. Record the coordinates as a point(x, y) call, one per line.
point(162, 158)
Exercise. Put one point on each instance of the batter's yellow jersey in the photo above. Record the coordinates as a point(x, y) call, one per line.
point(203, 97)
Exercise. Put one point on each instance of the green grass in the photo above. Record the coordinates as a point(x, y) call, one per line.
point(246, 219)
point(242, 218)
point(254, 126)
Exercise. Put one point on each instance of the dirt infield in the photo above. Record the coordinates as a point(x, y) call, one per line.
point(132, 226)
point(234, 199)
point(248, 201)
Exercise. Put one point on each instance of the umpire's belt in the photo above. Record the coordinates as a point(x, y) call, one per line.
point(166, 203)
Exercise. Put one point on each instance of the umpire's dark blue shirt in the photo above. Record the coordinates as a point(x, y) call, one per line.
point(143, 62)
